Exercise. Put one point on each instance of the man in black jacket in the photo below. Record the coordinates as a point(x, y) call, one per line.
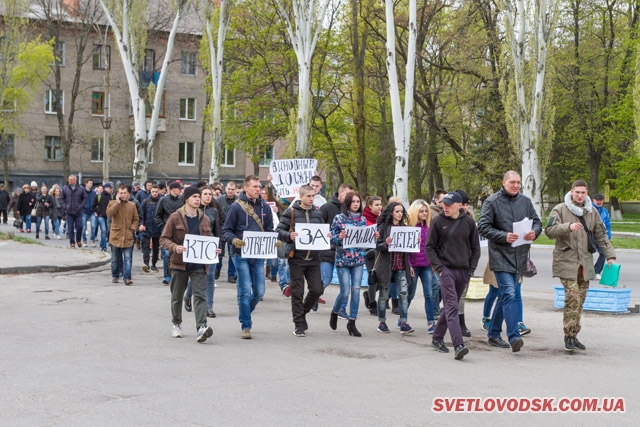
point(227, 199)
point(4, 203)
point(497, 216)
point(99, 207)
point(74, 198)
point(166, 206)
point(305, 264)
point(453, 247)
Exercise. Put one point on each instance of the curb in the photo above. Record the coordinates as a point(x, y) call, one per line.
point(53, 268)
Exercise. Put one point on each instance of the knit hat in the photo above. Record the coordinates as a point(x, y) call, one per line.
point(34, 184)
point(189, 191)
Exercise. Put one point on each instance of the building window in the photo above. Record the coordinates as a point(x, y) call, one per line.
point(7, 146)
point(96, 150)
point(97, 103)
point(188, 63)
point(60, 53)
point(266, 157)
point(52, 148)
point(149, 106)
point(9, 106)
point(149, 60)
point(52, 100)
point(187, 108)
point(186, 154)
point(229, 157)
point(101, 56)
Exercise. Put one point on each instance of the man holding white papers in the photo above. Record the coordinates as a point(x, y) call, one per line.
point(570, 224)
point(187, 220)
point(305, 264)
point(499, 213)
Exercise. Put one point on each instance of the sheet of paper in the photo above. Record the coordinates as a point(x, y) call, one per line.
point(200, 249)
point(521, 228)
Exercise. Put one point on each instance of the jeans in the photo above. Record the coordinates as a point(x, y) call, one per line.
point(326, 271)
point(117, 255)
point(424, 274)
point(179, 280)
point(350, 280)
point(102, 224)
point(26, 221)
point(435, 292)
point(250, 286)
point(273, 267)
point(283, 272)
point(491, 297)
point(165, 264)
point(46, 225)
point(74, 225)
point(507, 308)
point(600, 261)
point(399, 277)
point(232, 267)
point(92, 222)
point(56, 226)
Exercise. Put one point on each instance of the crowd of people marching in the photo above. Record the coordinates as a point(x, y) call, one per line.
point(155, 218)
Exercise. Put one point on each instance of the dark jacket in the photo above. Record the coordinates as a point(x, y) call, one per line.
point(329, 211)
point(149, 207)
point(142, 196)
point(383, 264)
point(214, 219)
point(44, 210)
point(74, 200)
point(26, 202)
point(88, 205)
point(460, 249)
point(57, 209)
point(173, 235)
point(166, 206)
point(237, 221)
point(499, 212)
point(101, 202)
point(300, 215)
point(4, 200)
point(224, 203)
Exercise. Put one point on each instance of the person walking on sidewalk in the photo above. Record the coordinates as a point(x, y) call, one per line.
point(598, 201)
point(44, 204)
point(224, 202)
point(453, 248)
point(570, 224)
point(498, 214)
point(149, 229)
point(88, 214)
point(4, 203)
point(26, 202)
point(74, 198)
point(124, 223)
point(166, 206)
point(305, 264)
point(249, 213)
point(189, 219)
point(99, 207)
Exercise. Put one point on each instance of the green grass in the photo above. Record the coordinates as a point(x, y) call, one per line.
point(617, 242)
point(6, 236)
point(634, 228)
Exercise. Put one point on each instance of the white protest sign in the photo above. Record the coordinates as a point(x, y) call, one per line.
point(312, 237)
point(360, 237)
point(200, 249)
point(258, 244)
point(405, 239)
point(484, 243)
point(288, 175)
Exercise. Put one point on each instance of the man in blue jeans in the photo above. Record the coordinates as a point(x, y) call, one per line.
point(88, 214)
point(74, 197)
point(124, 223)
point(249, 213)
point(497, 216)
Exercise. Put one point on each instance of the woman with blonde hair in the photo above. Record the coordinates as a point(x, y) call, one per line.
point(420, 216)
point(57, 211)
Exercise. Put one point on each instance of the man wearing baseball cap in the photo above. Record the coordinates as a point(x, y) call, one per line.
point(598, 201)
point(166, 206)
point(453, 247)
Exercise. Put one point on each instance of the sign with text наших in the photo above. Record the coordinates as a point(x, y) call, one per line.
point(360, 237)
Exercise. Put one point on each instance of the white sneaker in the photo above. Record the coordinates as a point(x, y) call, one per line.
point(58, 236)
point(204, 332)
point(177, 331)
point(598, 277)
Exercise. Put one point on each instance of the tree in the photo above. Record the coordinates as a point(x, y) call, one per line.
point(530, 45)
point(308, 17)
point(128, 20)
point(402, 118)
point(24, 64)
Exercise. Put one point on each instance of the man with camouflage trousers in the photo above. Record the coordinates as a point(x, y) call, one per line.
point(572, 259)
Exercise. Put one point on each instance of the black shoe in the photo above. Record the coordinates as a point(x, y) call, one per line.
point(461, 351)
point(394, 304)
point(578, 344)
point(210, 313)
point(569, 344)
point(365, 296)
point(232, 279)
point(351, 327)
point(439, 345)
point(305, 325)
point(333, 320)
point(217, 275)
point(463, 327)
point(299, 332)
point(154, 269)
point(517, 344)
point(498, 342)
point(187, 304)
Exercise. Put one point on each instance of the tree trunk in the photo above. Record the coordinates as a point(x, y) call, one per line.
point(359, 46)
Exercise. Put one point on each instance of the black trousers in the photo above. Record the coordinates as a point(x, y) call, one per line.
point(299, 271)
point(145, 249)
point(3, 216)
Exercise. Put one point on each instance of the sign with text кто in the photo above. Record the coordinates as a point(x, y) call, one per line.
point(258, 244)
point(288, 175)
point(405, 239)
point(200, 249)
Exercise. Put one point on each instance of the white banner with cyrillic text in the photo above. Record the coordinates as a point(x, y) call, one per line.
point(288, 175)
point(360, 237)
point(405, 239)
point(200, 249)
point(312, 237)
point(258, 244)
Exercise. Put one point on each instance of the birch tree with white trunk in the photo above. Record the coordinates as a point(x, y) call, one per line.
point(216, 55)
point(529, 33)
point(308, 16)
point(402, 117)
point(128, 20)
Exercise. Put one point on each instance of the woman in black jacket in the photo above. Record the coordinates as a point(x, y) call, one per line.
point(26, 202)
point(57, 210)
point(44, 204)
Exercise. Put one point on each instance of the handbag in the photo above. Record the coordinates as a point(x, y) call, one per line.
point(530, 270)
point(17, 223)
point(372, 280)
point(287, 249)
point(591, 239)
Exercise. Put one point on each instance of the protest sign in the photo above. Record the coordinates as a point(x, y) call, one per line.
point(405, 239)
point(288, 175)
point(312, 237)
point(258, 244)
point(200, 249)
point(360, 237)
